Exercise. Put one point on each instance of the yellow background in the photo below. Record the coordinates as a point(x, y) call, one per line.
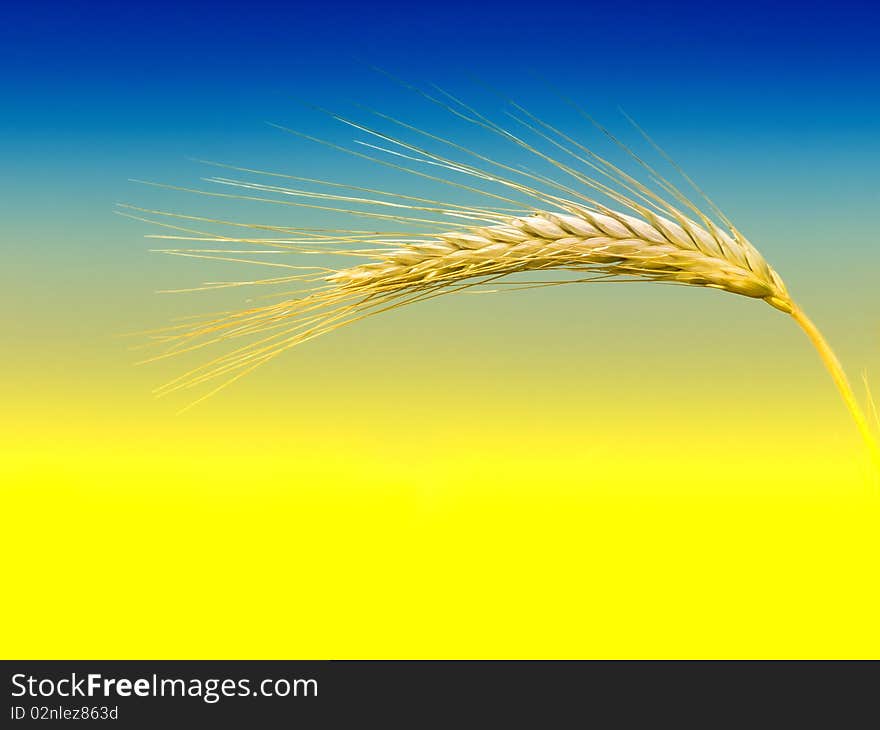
point(591, 471)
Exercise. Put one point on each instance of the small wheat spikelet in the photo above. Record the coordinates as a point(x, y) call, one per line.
point(590, 222)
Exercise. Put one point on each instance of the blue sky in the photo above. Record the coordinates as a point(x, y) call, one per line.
point(154, 67)
point(751, 97)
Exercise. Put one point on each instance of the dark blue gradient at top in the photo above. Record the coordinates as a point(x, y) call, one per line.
point(104, 53)
point(94, 93)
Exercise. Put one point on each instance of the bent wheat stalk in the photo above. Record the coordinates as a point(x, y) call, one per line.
point(544, 225)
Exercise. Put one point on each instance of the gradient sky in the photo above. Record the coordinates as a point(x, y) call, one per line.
point(771, 106)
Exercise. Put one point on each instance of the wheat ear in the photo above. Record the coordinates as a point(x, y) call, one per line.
point(438, 247)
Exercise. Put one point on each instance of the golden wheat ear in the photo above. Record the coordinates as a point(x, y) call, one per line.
point(588, 219)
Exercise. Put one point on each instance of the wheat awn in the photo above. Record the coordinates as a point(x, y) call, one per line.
point(604, 225)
